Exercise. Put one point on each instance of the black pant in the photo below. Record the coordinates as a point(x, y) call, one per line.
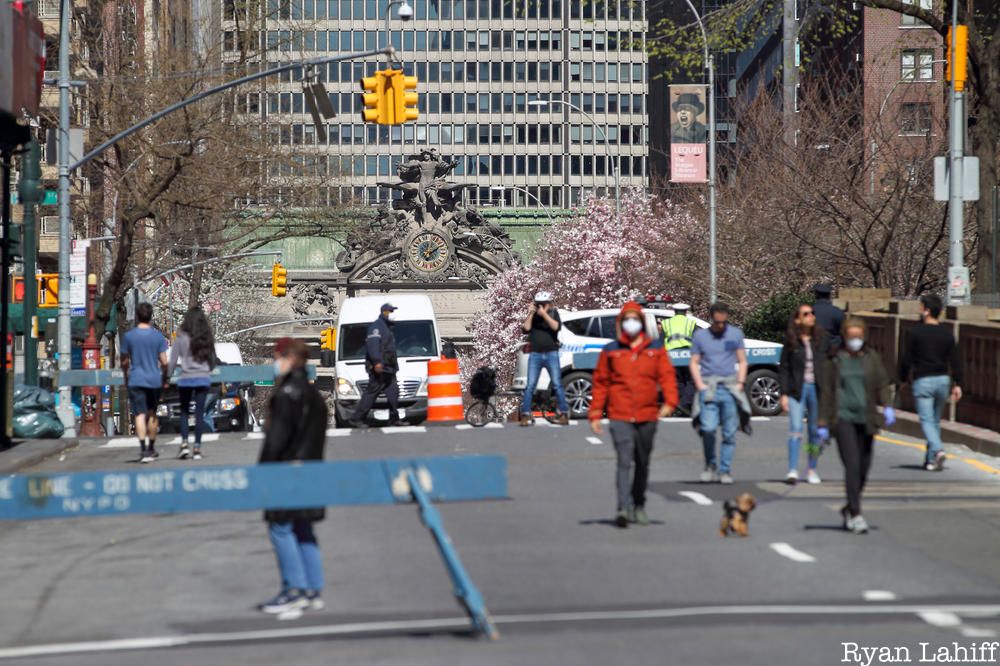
point(385, 383)
point(633, 441)
point(855, 446)
point(200, 395)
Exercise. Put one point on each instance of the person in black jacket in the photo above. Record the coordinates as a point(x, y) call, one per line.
point(828, 316)
point(800, 371)
point(382, 366)
point(296, 430)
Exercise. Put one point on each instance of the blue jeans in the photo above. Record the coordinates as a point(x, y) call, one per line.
point(931, 395)
point(723, 409)
point(549, 361)
point(806, 408)
point(298, 555)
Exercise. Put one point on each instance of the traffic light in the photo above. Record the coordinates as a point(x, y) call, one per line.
point(406, 102)
point(960, 58)
point(377, 106)
point(279, 280)
point(328, 339)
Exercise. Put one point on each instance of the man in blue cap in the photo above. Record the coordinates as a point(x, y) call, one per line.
point(382, 366)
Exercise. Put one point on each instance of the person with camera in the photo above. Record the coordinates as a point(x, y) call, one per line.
point(542, 325)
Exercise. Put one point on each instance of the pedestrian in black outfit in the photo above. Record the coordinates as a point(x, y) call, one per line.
point(854, 402)
point(382, 366)
point(296, 430)
point(828, 316)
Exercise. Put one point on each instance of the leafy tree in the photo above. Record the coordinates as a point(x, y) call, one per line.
point(769, 320)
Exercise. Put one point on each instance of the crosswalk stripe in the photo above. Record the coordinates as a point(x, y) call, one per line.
point(786, 550)
point(697, 498)
point(402, 430)
point(596, 441)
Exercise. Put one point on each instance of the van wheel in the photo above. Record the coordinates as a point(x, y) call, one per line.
point(579, 387)
point(764, 391)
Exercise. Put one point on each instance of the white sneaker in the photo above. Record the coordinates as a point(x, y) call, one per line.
point(792, 477)
point(709, 475)
point(858, 525)
point(726, 479)
point(813, 477)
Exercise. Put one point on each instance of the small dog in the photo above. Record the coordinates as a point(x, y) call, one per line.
point(736, 515)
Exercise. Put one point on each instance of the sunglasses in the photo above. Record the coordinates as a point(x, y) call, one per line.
point(807, 313)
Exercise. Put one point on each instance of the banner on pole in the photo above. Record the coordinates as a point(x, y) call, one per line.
point(688, 134)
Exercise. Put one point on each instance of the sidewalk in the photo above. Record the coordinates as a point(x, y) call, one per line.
point(28, 452)
point(978, 439)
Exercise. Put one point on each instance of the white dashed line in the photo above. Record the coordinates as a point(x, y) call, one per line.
point(940, 618)
point(596, 441)
point(253, 435)
point(785, 550)
point(130, 442)
point(467, 426)
point(338, 432)
point(973, 632)
point(697, 498)
point(879, 595)
point(402, 430)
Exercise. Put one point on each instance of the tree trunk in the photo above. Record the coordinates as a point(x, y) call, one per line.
point(195, 294)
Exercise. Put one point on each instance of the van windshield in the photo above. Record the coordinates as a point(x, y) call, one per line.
point(413, 338)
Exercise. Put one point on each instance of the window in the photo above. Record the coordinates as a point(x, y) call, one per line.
point(915, 118)
point(913, 21)
point(917, 65)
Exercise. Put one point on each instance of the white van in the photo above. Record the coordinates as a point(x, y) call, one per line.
point(418, 340)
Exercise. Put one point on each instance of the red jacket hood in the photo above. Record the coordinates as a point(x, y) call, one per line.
point(631, 306)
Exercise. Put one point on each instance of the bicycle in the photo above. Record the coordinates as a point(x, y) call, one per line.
point(483, 410)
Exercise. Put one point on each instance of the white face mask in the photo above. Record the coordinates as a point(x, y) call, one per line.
point(391, 316)
point(855, 344)
point(632, 327)
point(278, 369)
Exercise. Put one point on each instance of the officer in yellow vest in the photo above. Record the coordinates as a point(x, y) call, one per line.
point(677, 334)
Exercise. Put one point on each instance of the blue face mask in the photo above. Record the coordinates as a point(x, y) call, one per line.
point(277, 369)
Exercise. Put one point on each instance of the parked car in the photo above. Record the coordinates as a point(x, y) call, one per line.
point(585, 333)
point(227, 408)
point(417, 341)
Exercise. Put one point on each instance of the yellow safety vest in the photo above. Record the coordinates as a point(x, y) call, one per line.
point(679, 330)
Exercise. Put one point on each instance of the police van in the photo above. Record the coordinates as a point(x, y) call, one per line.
point(585, 333)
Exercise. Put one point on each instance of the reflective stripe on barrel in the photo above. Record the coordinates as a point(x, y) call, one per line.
point(444, 391)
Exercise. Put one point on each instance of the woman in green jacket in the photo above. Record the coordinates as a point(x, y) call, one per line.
point(854, 404)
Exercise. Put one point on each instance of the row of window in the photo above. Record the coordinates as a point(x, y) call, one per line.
point(493, 134)
point(484, 197)
point(486, 41)
point(496, 103)
point(434, 10)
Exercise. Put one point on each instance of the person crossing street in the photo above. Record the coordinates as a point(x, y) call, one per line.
point(144, 361)
point(382, 366)
point(632, 372)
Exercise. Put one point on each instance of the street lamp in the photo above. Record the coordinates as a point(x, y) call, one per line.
point(710, 66)
point(618, 197)
point(504, 188)
point(405, 14)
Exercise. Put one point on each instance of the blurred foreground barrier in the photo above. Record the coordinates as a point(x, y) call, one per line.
point(273, 486)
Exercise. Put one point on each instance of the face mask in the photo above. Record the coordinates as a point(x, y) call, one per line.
point(632, 327)
point(391, 317)
point(855, 344)
point(277, 369)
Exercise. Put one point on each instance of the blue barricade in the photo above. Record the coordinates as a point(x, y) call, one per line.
point(682, 358)
point(247, 487)
point(229, 374)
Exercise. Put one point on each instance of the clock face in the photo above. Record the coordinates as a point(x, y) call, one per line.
point(428, 252)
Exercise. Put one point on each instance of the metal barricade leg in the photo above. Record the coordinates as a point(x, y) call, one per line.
point(465, 590)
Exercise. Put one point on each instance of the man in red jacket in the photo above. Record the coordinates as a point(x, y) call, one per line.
point(631, 374)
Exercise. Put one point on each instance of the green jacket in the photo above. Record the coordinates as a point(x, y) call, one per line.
point(876, 388)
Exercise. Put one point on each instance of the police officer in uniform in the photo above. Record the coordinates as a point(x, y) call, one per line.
point(677, 334)
point(828, 316)
point(382, 366)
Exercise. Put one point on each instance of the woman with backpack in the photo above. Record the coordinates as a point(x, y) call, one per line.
point(194, 351)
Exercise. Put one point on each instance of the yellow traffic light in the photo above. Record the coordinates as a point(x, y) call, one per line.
point(960, 58)
point(328, 339)
point(406, 102)
point(279, 280)
point(378, 108)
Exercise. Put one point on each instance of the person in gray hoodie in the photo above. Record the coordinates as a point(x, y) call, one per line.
point(194, 352)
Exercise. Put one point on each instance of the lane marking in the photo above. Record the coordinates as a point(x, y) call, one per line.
point(338, 432)
point(786, 550)
point(254, 435)
point(939, 618)
point(695, 497)
point(462, 623)
point(975, 632)
point(968, 461)
point(687, 419)
point(468, 426)
point(131, 442)
point(402, 430)
point(596, 441)
point(879, 595)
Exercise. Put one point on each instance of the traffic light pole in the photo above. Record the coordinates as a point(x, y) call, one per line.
point(5, 405)
point(30, 194)
point(958, 273)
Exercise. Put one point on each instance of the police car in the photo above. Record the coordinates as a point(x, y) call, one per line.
point(585, 333)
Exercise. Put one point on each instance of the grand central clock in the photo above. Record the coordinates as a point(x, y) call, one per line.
point(428, 251)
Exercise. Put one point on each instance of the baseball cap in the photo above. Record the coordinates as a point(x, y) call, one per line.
point(389, 306)
point(543, 297)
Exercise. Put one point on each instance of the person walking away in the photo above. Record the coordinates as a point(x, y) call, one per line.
point(678, 332)
point(806, 346)
point(542, 326)
point(194, 351)
point(382, 366)
point(854, 404)
point(931, 358)
point(828, 316)
point(296, 431)
point(144, 361)
point(719, 371)
point(632, 373)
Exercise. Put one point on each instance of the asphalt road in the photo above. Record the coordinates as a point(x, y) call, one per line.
point(563, 584)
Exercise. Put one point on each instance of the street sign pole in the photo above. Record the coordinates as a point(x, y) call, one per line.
point(30, 195)
point(958, 273)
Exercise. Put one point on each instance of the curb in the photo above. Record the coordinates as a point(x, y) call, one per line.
point(25, 455)
point(979, 440)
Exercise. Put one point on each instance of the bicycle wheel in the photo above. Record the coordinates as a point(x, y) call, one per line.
point(479, 414)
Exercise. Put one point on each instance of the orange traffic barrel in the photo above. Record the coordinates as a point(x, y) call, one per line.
point(444, 391)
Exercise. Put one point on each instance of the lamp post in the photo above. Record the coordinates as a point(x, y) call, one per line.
point(958, 272)
point(618, 197)
point(548, 211)
point(710, 66)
